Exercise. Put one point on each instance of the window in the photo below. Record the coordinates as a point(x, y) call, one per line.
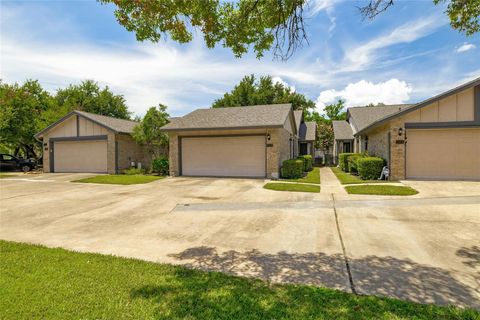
point(366, 143)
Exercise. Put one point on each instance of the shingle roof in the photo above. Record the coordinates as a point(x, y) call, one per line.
point(273, 115)
point(307, 131)
point(362, 117)
point(118, 125)
point(297, 114)
point(115, 124)
point(342, 130)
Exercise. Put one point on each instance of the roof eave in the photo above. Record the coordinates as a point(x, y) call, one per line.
point(222, 128)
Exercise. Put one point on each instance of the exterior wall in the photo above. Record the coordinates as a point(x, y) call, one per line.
point(67, 128)
point(397, 150)
point(128, 150)
point(378, 142)
point(278, 147)
point(89, 128)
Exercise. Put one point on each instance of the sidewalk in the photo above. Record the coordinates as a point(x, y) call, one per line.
point(330, 183)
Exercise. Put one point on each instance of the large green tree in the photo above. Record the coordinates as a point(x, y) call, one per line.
point(22, 109)
point(243, 24)
point(148, 133)
point(88, 96)
point(251, 91)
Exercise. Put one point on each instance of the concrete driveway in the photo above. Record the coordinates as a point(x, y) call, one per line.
point(424, 248)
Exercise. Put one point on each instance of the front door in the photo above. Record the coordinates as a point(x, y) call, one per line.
point(346, 147)
point(303, 149)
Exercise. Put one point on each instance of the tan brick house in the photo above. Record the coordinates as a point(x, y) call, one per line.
point(438, 138)
point(250, 141)
point(87, 142)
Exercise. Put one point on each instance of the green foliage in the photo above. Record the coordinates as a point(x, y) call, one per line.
point(370, 168)
point(238, 25)
point(311, 177)
point(343, 160)
point(464, 15)
point(251, 92)
point(295, 187)
point(292, 169)
point(307, 162)
point(383, 190)
point(120, 179)
point(335, 111)
point(325, 136)
point(352, 162)
point(89, 97)
point(347, 178)
point(133, 171)
point(160, 166)
point(148, 133)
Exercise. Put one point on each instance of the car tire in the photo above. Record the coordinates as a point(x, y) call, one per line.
point(26, 168)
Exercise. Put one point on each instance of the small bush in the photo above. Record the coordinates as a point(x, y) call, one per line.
point(352, 163)
point(133, 171)
point(292, 169)
point(370, 168)
point(307, 162)
point(343, 160)
point(160, 166)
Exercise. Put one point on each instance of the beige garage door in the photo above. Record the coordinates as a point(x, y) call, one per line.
point(80, 156)
point(443, 154)
point(224, 156)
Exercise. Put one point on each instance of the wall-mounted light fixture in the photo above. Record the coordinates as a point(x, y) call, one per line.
point(268, 136)
point(400, 131)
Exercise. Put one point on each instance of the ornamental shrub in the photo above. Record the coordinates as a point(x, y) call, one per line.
point(133, 171)
point(160, 166)
point(343, 160)
point(307, 162)
point(292, 169)
point(370, 168)
point(352, 162)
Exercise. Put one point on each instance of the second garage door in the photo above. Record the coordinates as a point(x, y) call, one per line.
point(443, 154)
point(80, 156)
point(240, 156)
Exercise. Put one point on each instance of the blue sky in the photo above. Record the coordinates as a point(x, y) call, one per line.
point(405, 55)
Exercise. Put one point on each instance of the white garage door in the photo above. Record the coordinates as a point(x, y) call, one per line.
point(443, 154)
point(80, 156)
point(242, 156)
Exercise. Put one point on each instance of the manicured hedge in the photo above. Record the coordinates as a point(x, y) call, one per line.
point(370, 168)
point(343, 160)
point(292, 169)
point(160, 166)
point(307, 162)
point(352, 163)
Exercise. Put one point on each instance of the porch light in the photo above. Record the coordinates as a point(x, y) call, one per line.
point(268, 136)
point(400, 131)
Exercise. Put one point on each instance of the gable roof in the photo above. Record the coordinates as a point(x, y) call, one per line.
point(308, 131)
point(362, 117)
point(298, 115)
point(342, 130)
point(424, 103)
point(114, 124)
point(260, 116)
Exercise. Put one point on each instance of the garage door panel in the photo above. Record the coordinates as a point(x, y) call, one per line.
point(443, 154)
point(80, 156)
point(242, 156)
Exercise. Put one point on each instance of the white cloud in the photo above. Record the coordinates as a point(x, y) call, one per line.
point(364, 92)
point(465, 47)
point(281, 81)
point(366, 54)
point(328, 6)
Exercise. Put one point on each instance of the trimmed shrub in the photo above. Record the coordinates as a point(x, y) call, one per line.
point(160, 166)
point(133, 171)
point(343, 160)
point(370, 168)
point(292, 169)
point(307, 162)
point(352, 163)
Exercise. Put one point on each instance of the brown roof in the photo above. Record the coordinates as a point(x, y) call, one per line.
point(115, 124)
point(261, 116)
point(297, 114)
point(362, 117)
point(308, 131)
point(342, 130)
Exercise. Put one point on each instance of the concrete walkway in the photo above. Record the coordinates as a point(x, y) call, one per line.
point(330, 183)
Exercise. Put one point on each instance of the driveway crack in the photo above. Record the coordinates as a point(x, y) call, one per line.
point(342, 243)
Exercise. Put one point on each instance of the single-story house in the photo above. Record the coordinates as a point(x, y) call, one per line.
point(87, 142)
point(306, 134)
point(250, 141)
point(438, 138)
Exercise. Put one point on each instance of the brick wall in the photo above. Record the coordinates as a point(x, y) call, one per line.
point(129, 150)
point(378, 142)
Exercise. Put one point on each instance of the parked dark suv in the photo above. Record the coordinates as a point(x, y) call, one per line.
point(11, 163)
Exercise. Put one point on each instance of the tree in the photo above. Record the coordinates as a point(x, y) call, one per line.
point(89, 97)
point(463, 14)
point(148, 133)
point(335, 111)
point(324, 136)
point(243, 24)
point(252, 92)
point(22, 110)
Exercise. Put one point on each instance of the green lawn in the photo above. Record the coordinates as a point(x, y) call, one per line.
point(311, 177)
point(120, 179)
point(279, 186)
point(347, 178)
point(42, 283)
point(7, 175)
point(381, 190)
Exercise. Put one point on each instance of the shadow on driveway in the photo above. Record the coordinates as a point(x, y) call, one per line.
point(372, 275)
